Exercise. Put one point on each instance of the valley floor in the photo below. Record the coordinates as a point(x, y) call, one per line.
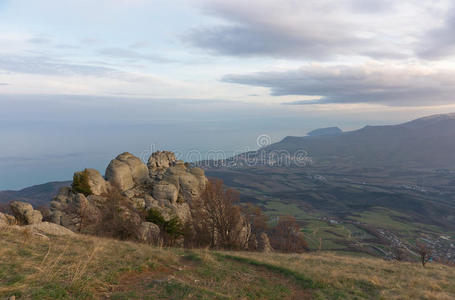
point(84, 267)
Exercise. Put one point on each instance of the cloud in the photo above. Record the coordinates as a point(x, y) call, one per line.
point(139, 45)
point(370, 83)
point(318, 30)
point(4, 83)
point(439, 42)
point(130, 54)
point(89, 41)
point(44, 65)
point(39, 40)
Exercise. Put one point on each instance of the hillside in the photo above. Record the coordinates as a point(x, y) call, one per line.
point(37, 195)
point(366, 191)
point(84, 267)
point(427, 142)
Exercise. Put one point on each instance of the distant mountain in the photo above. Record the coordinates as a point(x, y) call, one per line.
point(325, 131)
point(37, 195)
point(427, 142)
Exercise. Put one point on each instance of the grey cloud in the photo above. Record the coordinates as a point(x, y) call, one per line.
point(290, 29)
point(66, 46)
point(130, 54)
point(4, 83)
point(139, 45)
point(47, 66)
point(91, 41)
point(440, 42)
point(358, 84)
point(39, 40)
point(268, 41)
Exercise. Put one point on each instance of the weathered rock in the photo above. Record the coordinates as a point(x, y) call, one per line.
point(126, 171)
point(97, 184)
point(264, 243)
point(25, 214)
point(68, 208)
point(47, 228)
point(190, 184)
point(165, 190)
point(6, 220)
point(159, 161)
point(170, 187)
point(149, 232)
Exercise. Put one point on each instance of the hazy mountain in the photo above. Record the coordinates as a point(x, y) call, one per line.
point(427, 142)
point(37, 195)
point(325, 131)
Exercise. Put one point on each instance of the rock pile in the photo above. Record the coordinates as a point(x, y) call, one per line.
point(165, 183)
point(25, 214)
point(27, 218)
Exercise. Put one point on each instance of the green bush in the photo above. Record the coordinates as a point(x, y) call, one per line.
point(80, 183)
point(170, 230)
point(154, 216)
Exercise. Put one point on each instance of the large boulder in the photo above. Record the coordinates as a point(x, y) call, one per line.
point(159, 161)
point(25, 214)
point(97, 184)
point(68, 208)
point(149, 232)
point(127, 171)
point(190, 182)
point(165, 190)
point(47, 228)
point(6, 220)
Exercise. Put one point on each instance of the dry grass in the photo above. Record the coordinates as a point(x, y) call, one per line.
point(84, 267)
point(392, 279)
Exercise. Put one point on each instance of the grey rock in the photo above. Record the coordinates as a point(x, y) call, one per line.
point(149, 232)
point(47, 228)
point(127, 171)
point(6, 220)
point(159, 161)
point(165, 190)
point(25, 214)
point(97, 184)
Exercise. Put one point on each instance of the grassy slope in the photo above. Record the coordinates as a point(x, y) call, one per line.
point(85, 267)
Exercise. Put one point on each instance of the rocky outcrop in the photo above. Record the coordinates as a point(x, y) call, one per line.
point(6, 220)
point(96, 181)
point(149, 232)
point(159, 162)
point(25, 214)
point(165, 184)
point(127, 171)
point(47, 228)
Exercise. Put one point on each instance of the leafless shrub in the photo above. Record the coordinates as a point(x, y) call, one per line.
point(118, 218)
point(217, 218)
point(287, 237)
point(425, 253)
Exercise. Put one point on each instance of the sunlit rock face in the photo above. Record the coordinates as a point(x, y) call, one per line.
point(165, 183)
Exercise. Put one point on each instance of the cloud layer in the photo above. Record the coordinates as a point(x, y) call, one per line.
point(395, 86)
point(320, 30)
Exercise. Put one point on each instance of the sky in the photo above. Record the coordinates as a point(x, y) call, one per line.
point(82, 81)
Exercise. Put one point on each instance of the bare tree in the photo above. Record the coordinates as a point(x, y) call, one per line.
point(218, 214)
point(119, 218)
point(256, 221)
point(287, 237)
point(82, 214)
point(425, 253)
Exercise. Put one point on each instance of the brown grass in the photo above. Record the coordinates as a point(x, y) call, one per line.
point(85, 267)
